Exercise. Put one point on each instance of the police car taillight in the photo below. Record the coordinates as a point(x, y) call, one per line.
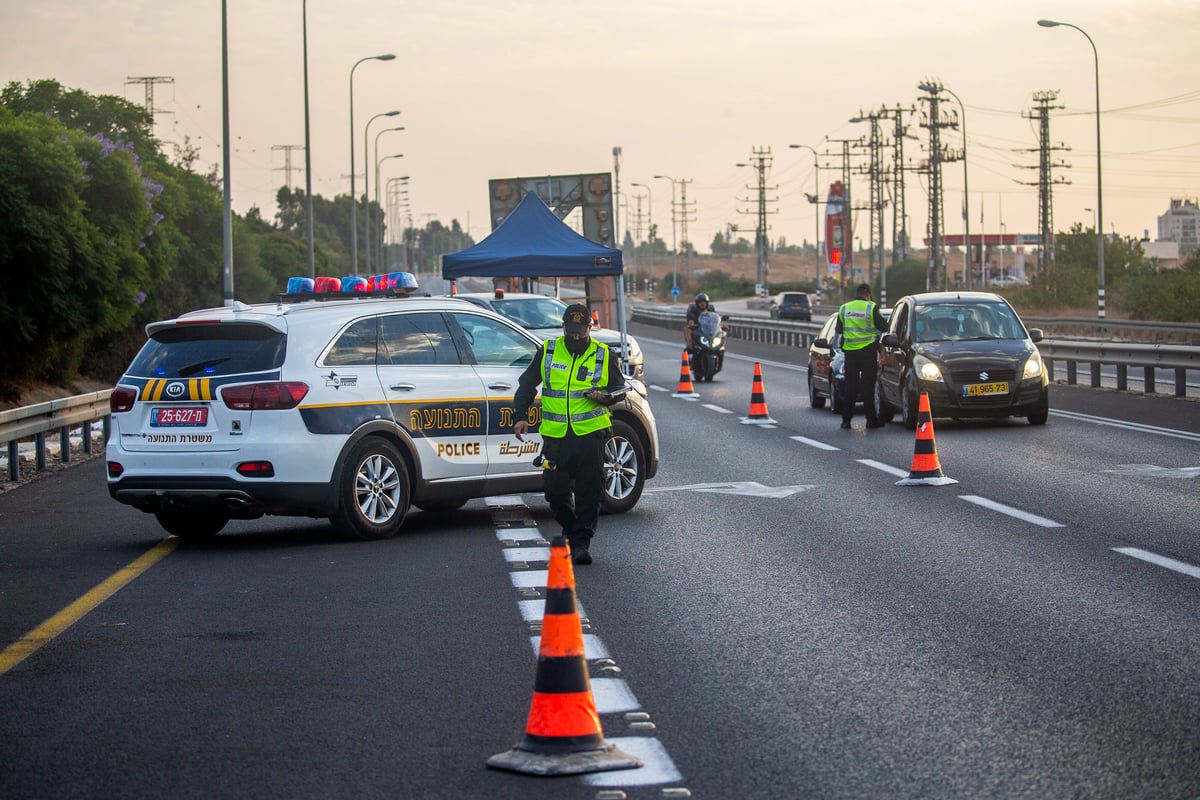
point(274, 396)
point(122, 399)
point(256, 469)
point(115, 470)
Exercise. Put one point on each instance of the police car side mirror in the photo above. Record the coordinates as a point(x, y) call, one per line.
point(890, 340)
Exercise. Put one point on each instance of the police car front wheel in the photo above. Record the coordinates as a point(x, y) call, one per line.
point(373, 492)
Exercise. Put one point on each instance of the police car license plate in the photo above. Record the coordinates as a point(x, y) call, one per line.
point(191, 417)
point(982, 389)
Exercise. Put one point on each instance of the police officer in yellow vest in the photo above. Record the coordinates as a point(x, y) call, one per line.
point(579, 378)
point(858, 322)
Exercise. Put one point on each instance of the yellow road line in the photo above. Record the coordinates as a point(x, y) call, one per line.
point(28, 644)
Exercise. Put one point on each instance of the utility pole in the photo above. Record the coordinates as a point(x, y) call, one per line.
point(287, 160)
point(760, 159)
point(875, 173)
point(1045, 180)
point(935, 277)
point(900, 237)
point(684, 217)
point(848, 219)
point(148, 82)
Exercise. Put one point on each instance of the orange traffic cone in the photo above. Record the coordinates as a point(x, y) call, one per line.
point(758, 402)
point(926, 469)
point(595, 319)
point(685, 380)
point(563, 735)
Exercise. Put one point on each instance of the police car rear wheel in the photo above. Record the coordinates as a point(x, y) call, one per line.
point(373, 491)
point(192, 524)
point(624, 469)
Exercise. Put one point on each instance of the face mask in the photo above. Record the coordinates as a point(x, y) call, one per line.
point(577, 347)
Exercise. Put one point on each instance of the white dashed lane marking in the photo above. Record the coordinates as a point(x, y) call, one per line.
point(1161, 561)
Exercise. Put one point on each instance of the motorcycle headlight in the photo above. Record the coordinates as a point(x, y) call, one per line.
point(926, 369)
point(1033, 366)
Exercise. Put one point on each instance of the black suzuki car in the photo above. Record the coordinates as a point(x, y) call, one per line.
point(969, 351)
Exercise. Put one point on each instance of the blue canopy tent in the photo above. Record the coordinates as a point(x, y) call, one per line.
point(531, 242)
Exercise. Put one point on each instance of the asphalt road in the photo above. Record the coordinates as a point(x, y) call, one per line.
point(775, 619)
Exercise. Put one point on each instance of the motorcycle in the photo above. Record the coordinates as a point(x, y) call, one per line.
point(708, 354)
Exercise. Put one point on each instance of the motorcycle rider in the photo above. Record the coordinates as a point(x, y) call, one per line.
point(692, 321)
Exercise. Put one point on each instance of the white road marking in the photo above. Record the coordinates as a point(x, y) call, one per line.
point(519, 534)
point(613, 696)
point(718, 409)
point(1155, 471)
point(1161, 561)
point(1132, 426)
point(659, 768)
point(528, 578)
point(1010, 511)
point(527, 554)
point(888, 468)
point(813, 443)
point(744, 488)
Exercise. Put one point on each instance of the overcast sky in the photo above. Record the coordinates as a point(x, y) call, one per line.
point(686, 88)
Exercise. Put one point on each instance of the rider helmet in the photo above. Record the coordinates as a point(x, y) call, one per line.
point(702, 296)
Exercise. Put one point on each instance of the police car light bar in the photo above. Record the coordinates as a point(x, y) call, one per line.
point(392, 284)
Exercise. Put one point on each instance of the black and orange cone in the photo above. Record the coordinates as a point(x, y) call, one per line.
point(758, 414)
point(685, 379)
point(563, 734)
point(595, 319)
point(926, 469)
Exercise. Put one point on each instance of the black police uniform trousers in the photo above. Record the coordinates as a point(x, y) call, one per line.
point(575, 487)
point(862, 366)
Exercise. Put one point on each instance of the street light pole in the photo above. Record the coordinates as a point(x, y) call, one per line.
point(353, 196)
point(816, 210)
point(1048, 23)
point(377, 163)
point(966, 190)
point(674, 246)
point(308, 209)
point(366, 180)
point(649, 225)
point(367, 193)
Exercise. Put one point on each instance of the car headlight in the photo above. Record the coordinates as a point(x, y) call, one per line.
point(927, 370)
point(1033, 366)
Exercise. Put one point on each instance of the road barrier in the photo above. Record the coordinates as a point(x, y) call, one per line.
point(62, 415)
point(1071, 353)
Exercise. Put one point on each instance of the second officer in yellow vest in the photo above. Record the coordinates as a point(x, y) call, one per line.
point(860, 323)
point(579, 379)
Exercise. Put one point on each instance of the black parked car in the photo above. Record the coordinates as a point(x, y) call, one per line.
point(969, 351)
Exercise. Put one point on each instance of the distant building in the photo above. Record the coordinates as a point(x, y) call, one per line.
point(1181, 224)
point(1165, 253)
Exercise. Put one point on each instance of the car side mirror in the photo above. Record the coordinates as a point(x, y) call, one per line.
point(724, 318)
point(890, 340)
point(1036, 335)
point(822, 342)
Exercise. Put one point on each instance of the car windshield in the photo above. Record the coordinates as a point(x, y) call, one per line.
point(532, 312)
point(956, 322)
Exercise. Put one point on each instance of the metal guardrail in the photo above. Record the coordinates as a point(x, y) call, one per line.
point(19, 424)
point(1124, 356)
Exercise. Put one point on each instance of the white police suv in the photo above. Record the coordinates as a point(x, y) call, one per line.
point(346, 406)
